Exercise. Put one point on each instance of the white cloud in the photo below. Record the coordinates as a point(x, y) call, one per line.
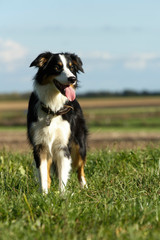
point(96, 55)
point(135, 61)
point(11, 54)
point(140, 61)
point(97, 60)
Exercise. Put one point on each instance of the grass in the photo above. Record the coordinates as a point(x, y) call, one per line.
point(104, 117)
point(121, 110)
point(124, 119)
point(122, 200)
point(146, 118)
point(12, 128)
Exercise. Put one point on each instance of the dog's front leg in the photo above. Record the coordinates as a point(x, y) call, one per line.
point(40, 156)
point(43, 175)
point(64, 167)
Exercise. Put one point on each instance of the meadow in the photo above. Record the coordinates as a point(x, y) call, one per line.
point(122, 200)
point(127, 121)
point(102, 113)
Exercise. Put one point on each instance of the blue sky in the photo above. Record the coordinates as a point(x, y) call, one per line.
point(118, 41)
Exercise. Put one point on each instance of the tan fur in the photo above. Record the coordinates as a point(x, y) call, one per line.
point(42, 62)
point(42, 169)
point(49, 163)
point(47, 80)
point(60, 63)
point(77, 161)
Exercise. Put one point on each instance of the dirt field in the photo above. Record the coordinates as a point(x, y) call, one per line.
point(17, 141)
point(13, 113)
point(120, 102)
point(91, 103)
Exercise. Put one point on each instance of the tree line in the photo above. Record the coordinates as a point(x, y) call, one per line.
point(125, 93)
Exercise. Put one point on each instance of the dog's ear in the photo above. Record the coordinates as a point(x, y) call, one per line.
point(41, 60)
point(77, 62)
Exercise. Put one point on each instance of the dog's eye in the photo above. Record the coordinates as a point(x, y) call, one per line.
point(58, 68)
point(71, 68)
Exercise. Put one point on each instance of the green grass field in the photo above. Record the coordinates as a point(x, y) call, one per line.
point(122, 200)
point(105, 119)
point(123, 196)
point(124, 118)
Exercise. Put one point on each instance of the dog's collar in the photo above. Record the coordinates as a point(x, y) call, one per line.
point(51, 114)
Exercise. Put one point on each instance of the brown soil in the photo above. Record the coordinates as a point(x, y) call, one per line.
point(13, 105)
point(123, 140)
point(17, 141)
point(91, 103)
point(120, 102)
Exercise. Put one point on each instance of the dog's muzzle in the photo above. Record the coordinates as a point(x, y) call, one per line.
point(72, 80)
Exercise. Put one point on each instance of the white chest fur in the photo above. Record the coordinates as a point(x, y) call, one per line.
point(57, 134)
point(54, 136)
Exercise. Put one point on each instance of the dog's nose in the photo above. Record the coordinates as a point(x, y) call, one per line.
point(72, 80)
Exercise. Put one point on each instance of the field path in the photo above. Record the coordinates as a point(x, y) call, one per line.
point(17, 140)
point(92, 103)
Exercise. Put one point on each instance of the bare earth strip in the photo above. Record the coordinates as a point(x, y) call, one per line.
point(123, 140)
point(17, 141)
point(92, 103)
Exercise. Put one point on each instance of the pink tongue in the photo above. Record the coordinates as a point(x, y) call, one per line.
point(70, 93)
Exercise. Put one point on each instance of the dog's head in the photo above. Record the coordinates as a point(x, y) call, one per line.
point(58, 69)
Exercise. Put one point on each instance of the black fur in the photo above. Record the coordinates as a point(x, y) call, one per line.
point(36, 154)
point(74, 117)
point(47, 65)
point(78, 127)
point(32, 114)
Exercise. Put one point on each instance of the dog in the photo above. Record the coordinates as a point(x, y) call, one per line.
point(56, 126)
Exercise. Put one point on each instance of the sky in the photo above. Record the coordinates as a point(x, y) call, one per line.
point(118, 41)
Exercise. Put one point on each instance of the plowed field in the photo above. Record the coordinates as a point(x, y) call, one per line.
point(111, 123)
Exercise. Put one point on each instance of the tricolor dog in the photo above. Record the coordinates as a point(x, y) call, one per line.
point(55, 122)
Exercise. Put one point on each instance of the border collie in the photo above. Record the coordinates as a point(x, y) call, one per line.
point(55, 123)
